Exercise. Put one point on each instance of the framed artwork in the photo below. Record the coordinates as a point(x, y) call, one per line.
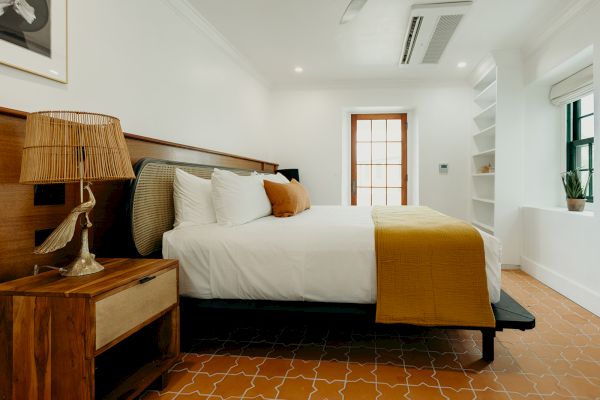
point(33, 37)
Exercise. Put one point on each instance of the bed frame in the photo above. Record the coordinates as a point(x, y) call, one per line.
point(150, 211)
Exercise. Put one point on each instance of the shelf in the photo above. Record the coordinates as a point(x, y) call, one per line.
point(485, 153)
point(487, 96)
point(483, 226)
point(482, 200)
point(486, 80)
point(487, 131)
point(486, 174)
point(138, 381)
point(488, 113)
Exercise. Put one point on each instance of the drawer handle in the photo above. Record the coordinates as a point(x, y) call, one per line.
point(146, 279)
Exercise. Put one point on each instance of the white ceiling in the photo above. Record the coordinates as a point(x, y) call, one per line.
point(277, 35)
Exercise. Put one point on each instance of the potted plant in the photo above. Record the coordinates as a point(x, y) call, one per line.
point(574, 190)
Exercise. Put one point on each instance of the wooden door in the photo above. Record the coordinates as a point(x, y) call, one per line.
point(379, 159)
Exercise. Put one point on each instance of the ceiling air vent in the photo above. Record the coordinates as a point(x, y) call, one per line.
point(430, 28)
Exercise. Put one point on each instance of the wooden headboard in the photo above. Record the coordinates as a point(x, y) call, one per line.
point(20, 218)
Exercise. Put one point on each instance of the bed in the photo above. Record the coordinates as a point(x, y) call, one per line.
point(283, 260)
point(291, 259)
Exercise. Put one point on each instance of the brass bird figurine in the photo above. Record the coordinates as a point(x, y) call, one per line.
point(64, 232)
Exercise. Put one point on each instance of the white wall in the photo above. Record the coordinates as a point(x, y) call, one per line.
point(561, 249)
point(309, 132)
point(144, 63)
point(544, 142)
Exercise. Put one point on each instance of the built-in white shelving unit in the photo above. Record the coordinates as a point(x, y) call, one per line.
point(483, 158)
point(490, 201)
point(490, 130)
point(481, 225)
point(496, 141)
point(485, 153)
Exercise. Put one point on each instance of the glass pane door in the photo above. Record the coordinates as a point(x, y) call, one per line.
point(379, 159)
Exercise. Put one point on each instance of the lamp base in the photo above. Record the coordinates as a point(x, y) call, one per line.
point(85, 263)
point(82, 265)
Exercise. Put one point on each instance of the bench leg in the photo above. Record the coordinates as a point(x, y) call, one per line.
point(488, 336)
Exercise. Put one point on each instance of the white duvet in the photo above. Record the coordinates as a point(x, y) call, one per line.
point(325, 254)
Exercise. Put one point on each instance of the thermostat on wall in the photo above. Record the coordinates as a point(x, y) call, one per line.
point(443, 169)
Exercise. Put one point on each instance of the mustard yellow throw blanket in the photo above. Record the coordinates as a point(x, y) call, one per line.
point(430, 269)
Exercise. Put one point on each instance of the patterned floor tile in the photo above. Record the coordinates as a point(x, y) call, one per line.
point(328, 390)
point(388, 392)
point(296, 389)
point(303, 368)
point(262, 386)
point(390, 374)
point(332, 371)
point(424, 392)
point(560, 359)
point(360, 390)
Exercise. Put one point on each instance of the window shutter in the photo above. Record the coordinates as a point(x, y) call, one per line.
point(574, 87)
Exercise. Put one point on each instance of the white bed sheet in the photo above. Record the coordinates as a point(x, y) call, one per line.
point(324, 254)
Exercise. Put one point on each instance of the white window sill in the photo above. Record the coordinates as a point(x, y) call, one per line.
point(586, 213)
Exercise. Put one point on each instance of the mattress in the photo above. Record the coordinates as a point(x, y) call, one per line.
point(324, 254)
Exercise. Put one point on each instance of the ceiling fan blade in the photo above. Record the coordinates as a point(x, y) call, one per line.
point(352, 10)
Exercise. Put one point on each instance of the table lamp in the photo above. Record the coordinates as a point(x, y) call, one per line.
point(70, 146)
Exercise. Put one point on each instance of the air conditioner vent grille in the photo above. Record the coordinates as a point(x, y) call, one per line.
point(430, 29)
point(441, 36)
point(413, 32)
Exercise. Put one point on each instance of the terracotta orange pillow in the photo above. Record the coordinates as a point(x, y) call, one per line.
point(287, 199)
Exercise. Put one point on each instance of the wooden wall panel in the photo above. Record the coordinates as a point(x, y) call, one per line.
point(109, 234)
point(6, 347)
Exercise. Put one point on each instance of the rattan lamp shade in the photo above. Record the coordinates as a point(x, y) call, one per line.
point(56, 142)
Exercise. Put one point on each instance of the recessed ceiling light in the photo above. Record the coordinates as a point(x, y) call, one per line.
point(461, 64)
point(298, 70)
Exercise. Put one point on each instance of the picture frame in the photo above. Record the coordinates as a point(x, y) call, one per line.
point(33, 37)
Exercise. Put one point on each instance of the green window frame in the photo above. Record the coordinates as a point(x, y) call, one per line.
point(575, 142)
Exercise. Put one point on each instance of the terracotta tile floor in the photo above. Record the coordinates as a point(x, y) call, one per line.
point(559, 359)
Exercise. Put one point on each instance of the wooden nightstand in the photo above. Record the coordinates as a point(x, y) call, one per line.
point(106, 335)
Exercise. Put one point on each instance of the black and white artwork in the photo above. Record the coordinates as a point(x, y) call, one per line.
point(26, 23)
point(33, 36)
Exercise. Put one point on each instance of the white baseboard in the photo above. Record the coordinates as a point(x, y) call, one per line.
point(575, 291)
point(510, 266)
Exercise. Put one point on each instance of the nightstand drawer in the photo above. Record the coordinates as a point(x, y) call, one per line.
point(126, 309)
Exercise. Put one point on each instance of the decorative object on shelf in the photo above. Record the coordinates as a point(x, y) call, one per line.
point(70, 146)
point(575, 190)
point(290, 173)
point(487, 169)
point(33, 37)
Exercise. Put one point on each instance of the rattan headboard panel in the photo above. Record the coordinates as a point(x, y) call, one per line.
point(151, 210)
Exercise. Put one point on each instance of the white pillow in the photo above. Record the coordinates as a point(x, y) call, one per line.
point(277, 178)
point(192, 198)
point(238, 199)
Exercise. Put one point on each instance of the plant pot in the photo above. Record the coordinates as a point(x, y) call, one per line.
point(576, 204)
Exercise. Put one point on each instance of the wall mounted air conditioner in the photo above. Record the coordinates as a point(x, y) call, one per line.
point(430, 28)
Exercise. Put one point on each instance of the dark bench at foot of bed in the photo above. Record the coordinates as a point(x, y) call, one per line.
point(508, 312)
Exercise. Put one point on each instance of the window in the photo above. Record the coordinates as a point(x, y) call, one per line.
point(379, 159)
point(580, 139)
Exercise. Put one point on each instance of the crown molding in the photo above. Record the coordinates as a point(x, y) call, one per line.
point(560, 19)
point(188, 12)
point(371, 84)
